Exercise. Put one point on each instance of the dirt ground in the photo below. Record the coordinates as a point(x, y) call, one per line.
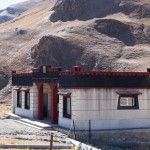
point(9, 134)
point(4, 108)
point(16, 141)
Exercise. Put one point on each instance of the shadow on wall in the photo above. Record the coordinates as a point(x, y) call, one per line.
point(116, 29)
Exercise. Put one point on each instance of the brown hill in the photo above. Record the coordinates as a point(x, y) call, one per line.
point(110, 35)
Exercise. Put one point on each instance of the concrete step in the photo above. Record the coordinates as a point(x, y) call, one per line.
point(27, 124)
point(34, 123)
point(13, 116)
point(6, 116)
point(3, 118)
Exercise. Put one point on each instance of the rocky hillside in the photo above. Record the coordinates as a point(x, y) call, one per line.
point(113, 34)
point(110, 35)
point(65, 10)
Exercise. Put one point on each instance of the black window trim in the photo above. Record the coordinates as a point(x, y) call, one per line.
point(136, 106)
point(65, 115)
point(25, 105)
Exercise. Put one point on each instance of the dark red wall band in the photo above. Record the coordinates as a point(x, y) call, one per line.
point(54, 106)
point(40, 101)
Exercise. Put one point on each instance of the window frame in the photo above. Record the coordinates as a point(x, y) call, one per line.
point(27, 104)
point(19, 99)
point(135, 106)
point(65, 114)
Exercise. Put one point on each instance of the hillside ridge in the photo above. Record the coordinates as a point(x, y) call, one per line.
point(96, 35)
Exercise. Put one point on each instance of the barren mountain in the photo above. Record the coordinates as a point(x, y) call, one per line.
point(110, 35)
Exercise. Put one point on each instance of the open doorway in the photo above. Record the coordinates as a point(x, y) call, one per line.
point(45, 106)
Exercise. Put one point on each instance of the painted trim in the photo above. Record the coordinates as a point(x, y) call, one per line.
point(53, 69)
point(65, 115)
point(99, 73)
point(65, 95)
point(22, 74)
point(54, 105)
point(103, 87)
point(21, 85)
point(40, 101)
point(45, 78)
point(136, 105)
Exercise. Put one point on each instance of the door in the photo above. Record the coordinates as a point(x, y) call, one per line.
point(45, 107)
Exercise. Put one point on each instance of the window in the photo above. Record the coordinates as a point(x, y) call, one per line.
point(128, 102)
point(19, 99)
point(27, 100)
point(67, 107)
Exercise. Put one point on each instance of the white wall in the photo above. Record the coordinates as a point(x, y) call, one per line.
point(100, 106)
point(24, 112)
point(33, 112)
point(34, 100)
point(14, 97)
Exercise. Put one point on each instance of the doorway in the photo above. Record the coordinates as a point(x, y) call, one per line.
point(45, 106)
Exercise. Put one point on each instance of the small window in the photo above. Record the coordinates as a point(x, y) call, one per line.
point(19, 99)
point(127, 102)
point(67, 107)
point(27, 100)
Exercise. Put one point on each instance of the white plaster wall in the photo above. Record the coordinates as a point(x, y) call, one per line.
point(14, 97)
point(34, 100)
point(100, 106)
point(24, 112)
point(33, 112)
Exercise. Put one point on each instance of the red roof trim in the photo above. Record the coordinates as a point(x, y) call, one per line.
point(99, 73)
point(17, 89)
point(125, 95)
point(21, 85)
point(69, 94)
point(103, 87)
point(45, 78)
point(36, 69)
point(52, 69)
point(22, 74)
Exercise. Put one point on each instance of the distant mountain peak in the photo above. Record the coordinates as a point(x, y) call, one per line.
point(15, 10)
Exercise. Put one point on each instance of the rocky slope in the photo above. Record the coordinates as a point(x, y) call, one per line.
point(87, 9)
point(114, 35)
point(110, 35)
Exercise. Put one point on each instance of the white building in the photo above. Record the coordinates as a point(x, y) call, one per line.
point(110, 100)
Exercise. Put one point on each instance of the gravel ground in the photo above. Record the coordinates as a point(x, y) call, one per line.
point(11, 129)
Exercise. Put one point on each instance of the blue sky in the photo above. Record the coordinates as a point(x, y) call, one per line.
point(6, 3)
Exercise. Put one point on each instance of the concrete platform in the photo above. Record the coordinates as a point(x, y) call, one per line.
point(35, 123)
point(39, 124)
point(13, 116)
